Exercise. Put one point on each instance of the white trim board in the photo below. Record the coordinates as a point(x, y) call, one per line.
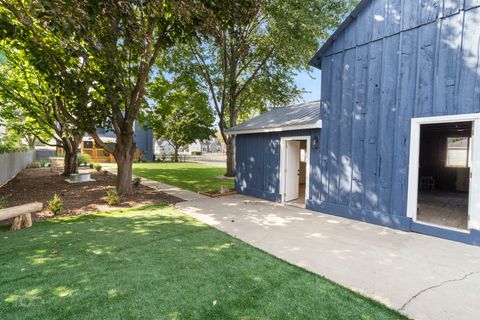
point(316, 125)
point(414, 162)
point(282, 165)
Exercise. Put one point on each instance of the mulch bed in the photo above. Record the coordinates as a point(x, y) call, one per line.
point(81, 198)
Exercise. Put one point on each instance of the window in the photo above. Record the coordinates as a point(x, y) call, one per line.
point(302, 155)
point(458, 152)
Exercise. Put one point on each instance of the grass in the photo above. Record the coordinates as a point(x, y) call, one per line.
point(157, 263)
point(191, 176)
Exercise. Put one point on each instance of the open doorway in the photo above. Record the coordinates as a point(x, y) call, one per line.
point(444, 174)
point(295, 170)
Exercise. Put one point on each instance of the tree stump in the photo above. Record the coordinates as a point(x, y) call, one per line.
point(21, 222)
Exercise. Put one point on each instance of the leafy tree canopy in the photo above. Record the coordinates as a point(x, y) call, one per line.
point(179, 112)
point(247, 53)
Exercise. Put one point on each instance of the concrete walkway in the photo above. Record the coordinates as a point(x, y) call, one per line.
point(168, 189)
point(422, 277)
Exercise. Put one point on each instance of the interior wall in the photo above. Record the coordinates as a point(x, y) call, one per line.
point(303, 164)
point(433, 157)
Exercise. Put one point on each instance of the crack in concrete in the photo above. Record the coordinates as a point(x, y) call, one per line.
point(436, 286)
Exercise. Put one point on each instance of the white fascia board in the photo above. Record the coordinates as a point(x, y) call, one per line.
point(316, 125)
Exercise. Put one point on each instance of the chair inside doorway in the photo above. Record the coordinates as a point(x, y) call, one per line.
point(444, 174)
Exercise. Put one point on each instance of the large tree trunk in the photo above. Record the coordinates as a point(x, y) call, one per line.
point(124, 175)
point(175, 154)
point(230, 158)
point(70, 147)
point(124, 152)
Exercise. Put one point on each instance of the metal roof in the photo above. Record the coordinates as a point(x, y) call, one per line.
point(293, 117)
point(316, 61)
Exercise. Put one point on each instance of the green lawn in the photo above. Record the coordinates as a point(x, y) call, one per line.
point(191, 176)
point(156, 263)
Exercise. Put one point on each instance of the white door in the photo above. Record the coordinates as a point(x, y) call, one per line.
point(292, 170)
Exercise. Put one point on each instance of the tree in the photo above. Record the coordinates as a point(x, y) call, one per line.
point(180, 113)
point(247, 53)
point(29, 106)
point(107, 47)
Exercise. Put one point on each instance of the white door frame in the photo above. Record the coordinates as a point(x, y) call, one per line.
point(414, 163)
point(283, 144)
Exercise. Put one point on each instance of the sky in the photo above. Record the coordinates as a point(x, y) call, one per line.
point(311, 85)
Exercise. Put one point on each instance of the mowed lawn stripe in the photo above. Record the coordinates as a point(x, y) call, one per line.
point(187, 175)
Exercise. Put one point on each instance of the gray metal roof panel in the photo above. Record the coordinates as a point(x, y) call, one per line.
point(293, 115)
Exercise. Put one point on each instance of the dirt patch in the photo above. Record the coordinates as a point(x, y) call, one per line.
point(80, 198)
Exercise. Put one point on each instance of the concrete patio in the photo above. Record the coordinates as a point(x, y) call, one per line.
point(421, 276)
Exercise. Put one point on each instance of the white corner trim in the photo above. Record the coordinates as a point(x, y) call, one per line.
point(412, 197)
point(316, 125)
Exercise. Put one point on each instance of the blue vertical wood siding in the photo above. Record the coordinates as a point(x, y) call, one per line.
point(396, 60)
point(258, 163)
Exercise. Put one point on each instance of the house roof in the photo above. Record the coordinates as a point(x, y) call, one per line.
point(316, 61)
point(293, 117)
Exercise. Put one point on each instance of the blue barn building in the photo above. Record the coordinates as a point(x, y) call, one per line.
point(393, 139)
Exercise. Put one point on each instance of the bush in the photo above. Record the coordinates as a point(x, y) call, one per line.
point(196, 153)
point(113, 198)
point(136, 181)
point(56, 205)
point(83, 158)
point(35, 164)
point(44, 163)
point(3, 201)
point(91, 165)
point(97, 166)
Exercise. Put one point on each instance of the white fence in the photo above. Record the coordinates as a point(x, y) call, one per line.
point(13, 163)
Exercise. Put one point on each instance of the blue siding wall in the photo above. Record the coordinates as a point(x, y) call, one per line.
point(143, 139)
point(258, 163)
point(397, 60)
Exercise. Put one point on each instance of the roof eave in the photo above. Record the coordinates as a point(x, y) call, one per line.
point(316, 125)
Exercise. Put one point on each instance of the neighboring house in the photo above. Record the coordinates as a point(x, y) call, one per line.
point(392, 141)
point(143, 139)
point(198, 146)
point(164, 147)
point(212, 145)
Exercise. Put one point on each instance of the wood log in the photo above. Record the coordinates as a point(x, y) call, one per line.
point(16, 211)
point(21, 222)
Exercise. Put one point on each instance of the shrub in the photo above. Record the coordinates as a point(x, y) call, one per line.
point(113, 198)
point(136, 181)
point(35, 164)
point(44, 163)
point(3, 201)
point(56, 205)
point(97, 166)
point(83, 158)
point(196, 153)
point(91, 165)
